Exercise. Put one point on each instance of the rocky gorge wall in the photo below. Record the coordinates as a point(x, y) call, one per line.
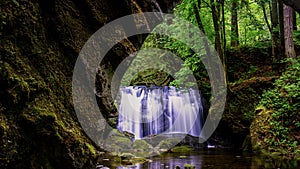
point(39, 44)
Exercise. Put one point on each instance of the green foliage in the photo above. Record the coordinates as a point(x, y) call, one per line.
point(284, 104)
point(253, 31)
point(186, 10)
point(252, 25)
point(187, 64)
point(297, 38)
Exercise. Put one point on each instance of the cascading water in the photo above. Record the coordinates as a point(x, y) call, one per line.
point(148, 111)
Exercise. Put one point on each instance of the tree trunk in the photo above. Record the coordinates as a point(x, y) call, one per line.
point(275, 30)
point(295, 4)
point(223, 35)
point(281, 28)
point(205, 42)
point(223, 28)
point(234, 25)
point(216, 21)
point(288, 32)
point(219, 34)
point(266, 17)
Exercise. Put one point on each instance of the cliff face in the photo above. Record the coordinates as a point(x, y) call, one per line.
point(39, 44)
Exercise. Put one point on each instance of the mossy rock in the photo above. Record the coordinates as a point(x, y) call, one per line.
point(138, 160)
point(189, 166)
point(126, 156)
point(118, 142)
point(182, 149)
point(112, 121)
point(275, 154)
point(132, 159)
point(115, 132)
point(167, 144)
point(259, 126)
point(151, 77)
point(142, 146)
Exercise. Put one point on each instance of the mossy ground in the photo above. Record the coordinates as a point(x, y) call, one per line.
point(275, 128)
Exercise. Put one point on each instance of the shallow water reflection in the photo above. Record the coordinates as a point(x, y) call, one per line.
point(213, 160)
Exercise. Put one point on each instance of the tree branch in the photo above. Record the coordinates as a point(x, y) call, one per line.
point(266, 18)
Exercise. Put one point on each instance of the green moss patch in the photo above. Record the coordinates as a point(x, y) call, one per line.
point(182, 149)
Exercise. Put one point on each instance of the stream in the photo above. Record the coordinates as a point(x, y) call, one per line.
point(213, 159)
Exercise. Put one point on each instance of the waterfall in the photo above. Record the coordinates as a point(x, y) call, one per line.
point(154, 110)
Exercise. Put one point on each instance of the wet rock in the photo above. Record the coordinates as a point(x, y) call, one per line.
point(112, 121)
point(246, 146)
point(194, 142)
point(138, 160)
point(117, 141)
point(168, 141)
point(99, 166)
point(143, 149)
point(181, 149)
point(256, 130)
point(275, 154)
point(163, 150)
point(189, 166)
point(126, 162)
point(128, 135)
point(142, 146)
point(126, 156)
point(103, 167)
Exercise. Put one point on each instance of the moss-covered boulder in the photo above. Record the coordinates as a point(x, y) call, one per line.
point(182, 149)
point(138, 160)
point(167, 144)
point(118, 142)
point(188, 166)
point(259, 127)
point(142, 149)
